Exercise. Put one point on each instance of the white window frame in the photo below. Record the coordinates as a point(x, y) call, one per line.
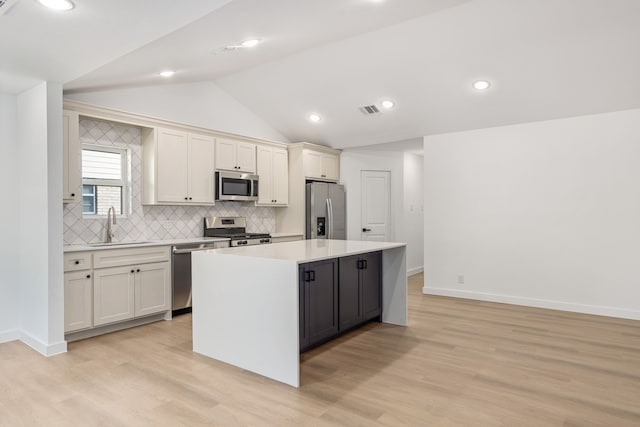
point(124, 181)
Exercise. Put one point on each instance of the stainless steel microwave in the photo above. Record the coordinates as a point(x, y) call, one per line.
point(236, 186)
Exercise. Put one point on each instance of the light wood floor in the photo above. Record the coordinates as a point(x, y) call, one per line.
point(459, 363)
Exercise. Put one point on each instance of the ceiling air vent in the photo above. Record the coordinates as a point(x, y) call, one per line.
point(369, 109)
point(5, 5)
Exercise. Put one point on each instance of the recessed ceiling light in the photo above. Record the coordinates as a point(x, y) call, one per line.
point(481, 85)
point(388, 104)
point(314, 117)
point(250, 43)
point(57, 4)
point(167, 73)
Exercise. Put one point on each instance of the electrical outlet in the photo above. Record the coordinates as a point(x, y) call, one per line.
point(460, 279)
point(167, 225)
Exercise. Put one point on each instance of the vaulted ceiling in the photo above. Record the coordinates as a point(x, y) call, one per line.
point(544, 59)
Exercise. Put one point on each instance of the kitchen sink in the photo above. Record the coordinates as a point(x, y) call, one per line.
point(95, 245)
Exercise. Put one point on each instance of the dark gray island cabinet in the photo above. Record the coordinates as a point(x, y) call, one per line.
point(258, 307)
point(337, 295)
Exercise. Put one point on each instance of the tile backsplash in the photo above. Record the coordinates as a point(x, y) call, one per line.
point(149, 222)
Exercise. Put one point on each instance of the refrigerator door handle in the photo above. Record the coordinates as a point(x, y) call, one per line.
point(330, 219)
point(331, 229)
point(332, 222)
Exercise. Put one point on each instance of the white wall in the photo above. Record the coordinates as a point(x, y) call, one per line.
point(402, 167)
point(9, 218)
point(413, 216)
point(39, 118)
point(202, 104)
point(544, 214)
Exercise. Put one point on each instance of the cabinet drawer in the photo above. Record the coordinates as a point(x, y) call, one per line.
point(120, 257)
point(75, 261)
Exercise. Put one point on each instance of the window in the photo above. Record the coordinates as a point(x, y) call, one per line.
point(104, 180)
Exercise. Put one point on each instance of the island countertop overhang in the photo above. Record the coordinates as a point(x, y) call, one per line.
point(303, 251)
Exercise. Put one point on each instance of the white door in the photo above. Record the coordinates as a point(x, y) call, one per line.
point(376, 205)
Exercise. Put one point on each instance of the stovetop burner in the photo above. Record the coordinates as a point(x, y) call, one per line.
point(233, 228)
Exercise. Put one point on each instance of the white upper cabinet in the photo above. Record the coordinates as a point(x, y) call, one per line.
point(173, 166)
point(273, 170)
point(179, 167)
point(280, 177)
point(320, 165)
point(201, 169)
point(71, 173)
point(235, 155)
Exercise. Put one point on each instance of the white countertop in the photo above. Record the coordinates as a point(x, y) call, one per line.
point(146, 243)
point(302, 251)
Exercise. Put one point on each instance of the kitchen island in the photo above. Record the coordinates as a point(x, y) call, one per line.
point(246, 301)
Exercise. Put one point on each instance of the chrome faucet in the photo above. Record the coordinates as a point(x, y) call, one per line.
point(109, 235)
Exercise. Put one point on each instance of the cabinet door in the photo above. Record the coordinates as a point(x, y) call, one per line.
point(312, 163)
point(350, 312)
point(371, 279)
point(322, 290)
point(330, 167)
point(201, 169)
point(71, 157)
point(152, 288)
point(265, 173)
point(173, 166)
point(246, 157)
point(78, 300)
point(280, 177)
point(113, 294)
point(226, 154)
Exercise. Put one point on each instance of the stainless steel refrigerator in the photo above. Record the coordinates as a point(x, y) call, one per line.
point(326, 211)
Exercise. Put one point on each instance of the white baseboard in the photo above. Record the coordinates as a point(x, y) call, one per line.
point(416, 270)
point(10, 335)
point(534, 302)
point(42, 348)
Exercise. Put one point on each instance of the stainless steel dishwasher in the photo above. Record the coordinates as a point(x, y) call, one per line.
point(181, 272)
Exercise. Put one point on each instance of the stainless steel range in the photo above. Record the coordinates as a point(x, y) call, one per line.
point(234, 228)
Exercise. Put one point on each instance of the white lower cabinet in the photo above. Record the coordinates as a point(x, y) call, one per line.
point(78, 300)
point(121, 293)
point(152, 282)
point(113, 293)
point(117, 285)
